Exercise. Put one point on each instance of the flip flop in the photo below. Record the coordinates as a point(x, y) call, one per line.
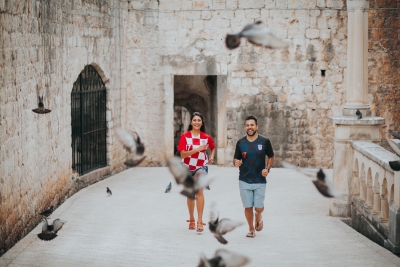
point(251, 234)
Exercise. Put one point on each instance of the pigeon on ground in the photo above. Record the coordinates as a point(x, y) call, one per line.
point(109, 191)
point(219, 227)
point(256, 35)
point(182, 176)
point(49, 232)
point(132, 144)
point(224, 258)
point(359, 114)
point(48, 212)
point(395, 165)
point(169, 187)
point(323, 184)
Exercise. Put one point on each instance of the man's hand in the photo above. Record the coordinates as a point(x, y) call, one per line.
point(264, 172)
point(238, 163)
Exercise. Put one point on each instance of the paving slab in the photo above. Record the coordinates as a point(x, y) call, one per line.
point(140, 225)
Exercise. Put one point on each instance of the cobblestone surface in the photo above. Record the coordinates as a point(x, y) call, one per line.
point(140, 225)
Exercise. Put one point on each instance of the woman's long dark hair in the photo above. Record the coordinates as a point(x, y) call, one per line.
point(202, 128)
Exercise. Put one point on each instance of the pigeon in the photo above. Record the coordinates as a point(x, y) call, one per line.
point(182, 176)
point(169, 187)
point(322, 183)
point(393, 146)
point(256, 35)
point(395, 165)
point(132, 145)
point(109, 191)
point(219, 227)
point(49, 232)
point(224, 258)
point(395, 134)
point(359, 114)
point(48, 212)
point(41, 109)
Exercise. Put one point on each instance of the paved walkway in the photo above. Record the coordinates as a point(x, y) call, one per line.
point(140, 225)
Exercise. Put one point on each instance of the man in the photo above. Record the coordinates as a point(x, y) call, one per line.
point(249, 156)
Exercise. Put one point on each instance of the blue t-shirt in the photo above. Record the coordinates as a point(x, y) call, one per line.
point(253, 155)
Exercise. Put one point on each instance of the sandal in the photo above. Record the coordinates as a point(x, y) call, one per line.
point(191, 224)
point(200, 226)
point(251, 234)
point(259, 225)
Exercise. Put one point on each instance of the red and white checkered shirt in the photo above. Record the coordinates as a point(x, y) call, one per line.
point(189, 142)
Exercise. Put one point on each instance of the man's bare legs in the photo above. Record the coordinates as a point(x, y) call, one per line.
point(248, 212)
point(258, 217)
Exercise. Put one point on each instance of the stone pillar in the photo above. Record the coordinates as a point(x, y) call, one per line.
point(370, 197)
point(384, 209)
point(377, 203)
point(357, 58)
point(347, 127)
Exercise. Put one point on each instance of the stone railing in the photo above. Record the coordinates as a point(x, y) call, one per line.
point(375, 195)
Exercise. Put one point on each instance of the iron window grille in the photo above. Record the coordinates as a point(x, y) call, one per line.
point(88, 122)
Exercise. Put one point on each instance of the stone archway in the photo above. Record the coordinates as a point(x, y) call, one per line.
point(88, 122)
point(196, 93)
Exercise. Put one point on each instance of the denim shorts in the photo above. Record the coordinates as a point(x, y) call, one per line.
point(201, 169)
point(252, 195)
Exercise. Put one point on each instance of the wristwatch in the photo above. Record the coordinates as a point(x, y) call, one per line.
point(269, 170)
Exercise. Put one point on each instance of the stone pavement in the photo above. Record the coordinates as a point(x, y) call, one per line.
point(140, 225)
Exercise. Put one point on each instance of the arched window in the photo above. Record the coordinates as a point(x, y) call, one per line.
point(88, 122)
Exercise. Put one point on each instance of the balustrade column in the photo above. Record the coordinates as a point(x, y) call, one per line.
point(384, 209)
point(362, 191)
point(377, 203)
point(370, 196)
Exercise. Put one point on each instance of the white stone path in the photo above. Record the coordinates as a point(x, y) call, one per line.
point(140, 225)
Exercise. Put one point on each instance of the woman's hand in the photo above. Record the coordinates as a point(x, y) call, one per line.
point(211, 160)
point(202, 147)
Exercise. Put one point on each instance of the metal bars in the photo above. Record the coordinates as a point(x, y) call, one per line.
point(88, 122)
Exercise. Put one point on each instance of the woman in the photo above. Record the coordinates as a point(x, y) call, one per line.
point(192, 147)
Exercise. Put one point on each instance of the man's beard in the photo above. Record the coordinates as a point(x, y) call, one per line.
point(254, 132)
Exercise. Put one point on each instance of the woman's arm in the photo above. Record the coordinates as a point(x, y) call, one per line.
point(211, 160)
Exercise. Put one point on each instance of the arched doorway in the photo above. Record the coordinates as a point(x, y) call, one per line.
point(88, 122)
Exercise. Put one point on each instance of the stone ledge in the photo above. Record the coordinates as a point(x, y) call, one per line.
point(375, 152)
point(354, 121)
point(94, 176)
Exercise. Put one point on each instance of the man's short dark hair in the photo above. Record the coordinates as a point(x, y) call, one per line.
point(251, 118)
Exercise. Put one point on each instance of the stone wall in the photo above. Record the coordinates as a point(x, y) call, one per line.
point(384, 63)
point(44, 45)
point(284, 88)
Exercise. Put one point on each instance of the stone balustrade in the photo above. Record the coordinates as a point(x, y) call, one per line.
point(375, 194)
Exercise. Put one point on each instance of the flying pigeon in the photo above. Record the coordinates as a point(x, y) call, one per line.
point(49, 232)
point(224, 258)
point(219, 227)
point(395, 134)
point(322, 183)
point(256, 35)
point(132, 145)
point(109, 191)
point(182, 176)
point(393, 146)
point(169, 187)
point(395, 165)
point(41, 109)
point(359, 114)
point(48, 212)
